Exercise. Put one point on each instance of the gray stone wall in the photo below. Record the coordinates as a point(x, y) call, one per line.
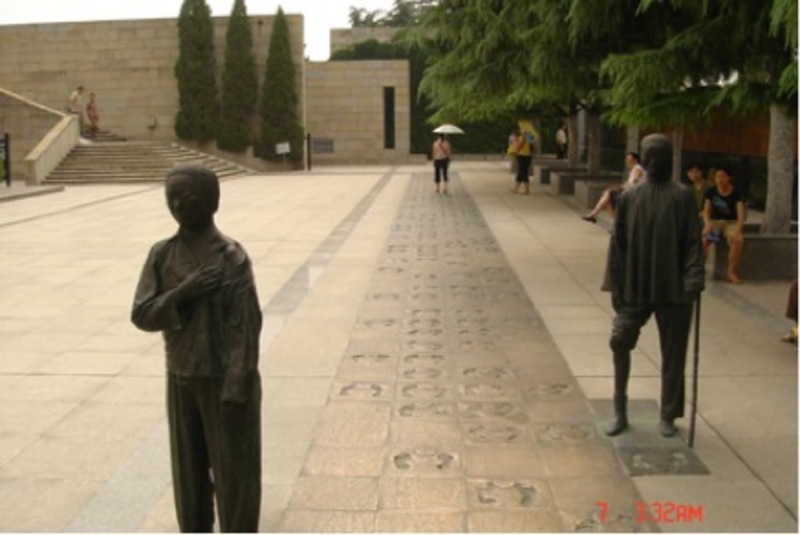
point(128, 64)
point(345, 104)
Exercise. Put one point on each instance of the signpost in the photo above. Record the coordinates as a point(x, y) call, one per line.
point(283, 149)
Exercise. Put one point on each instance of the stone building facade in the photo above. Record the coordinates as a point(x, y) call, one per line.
point(130, 67)
point(360, 109)
point(128, 64)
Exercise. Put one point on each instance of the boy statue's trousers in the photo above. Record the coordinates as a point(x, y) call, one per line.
point(212, 440)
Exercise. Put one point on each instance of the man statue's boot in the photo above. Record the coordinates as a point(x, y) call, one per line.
point(666, 426)
point(620, 422)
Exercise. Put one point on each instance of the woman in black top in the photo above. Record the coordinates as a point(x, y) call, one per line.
point(723, 215)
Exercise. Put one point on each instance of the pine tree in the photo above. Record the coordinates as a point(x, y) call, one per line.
point(195, 70)
point(278, 107)
point(239, 83)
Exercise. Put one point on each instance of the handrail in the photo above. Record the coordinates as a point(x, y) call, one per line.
point(54, 145)
point(52, 149)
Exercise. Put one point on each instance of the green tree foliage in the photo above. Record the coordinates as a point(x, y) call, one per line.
point(239, 83)
point(364, 18)
point(195, 71)
point(783, 24)
point(718, 54)
point(278, 107)
point(370, 49)
point(490, 58)
point(404, 13)
point(706, 54)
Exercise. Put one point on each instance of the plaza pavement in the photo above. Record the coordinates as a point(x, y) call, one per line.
point(361, 271)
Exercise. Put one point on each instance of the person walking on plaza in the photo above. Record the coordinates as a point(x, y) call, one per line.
point(93, 115)
point(655, 266)
point(723, 215)
point(561, 142)
point(511, 150)
point(610, 196)
point(442, 152)
point(524, 152)
point(197, 288)
point(75, 105)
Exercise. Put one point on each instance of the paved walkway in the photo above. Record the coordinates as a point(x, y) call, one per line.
point(430, 363)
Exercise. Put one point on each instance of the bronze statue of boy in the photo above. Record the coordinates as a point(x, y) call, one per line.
point(655, 266)
point(197, 288)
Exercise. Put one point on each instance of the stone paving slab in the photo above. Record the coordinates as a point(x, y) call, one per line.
point(417, 395)
point(15, 191)
point(474, 412)
point(744, 369)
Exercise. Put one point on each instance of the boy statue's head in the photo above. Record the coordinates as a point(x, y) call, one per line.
point(192, 196)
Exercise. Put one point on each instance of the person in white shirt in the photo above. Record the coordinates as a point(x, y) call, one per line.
point(610, 196)
point(75, 106)
point(561, 142)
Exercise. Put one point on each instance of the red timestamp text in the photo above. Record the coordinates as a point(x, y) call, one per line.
point(659, 512)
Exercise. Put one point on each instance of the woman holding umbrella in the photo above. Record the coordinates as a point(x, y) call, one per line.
point(441, 153)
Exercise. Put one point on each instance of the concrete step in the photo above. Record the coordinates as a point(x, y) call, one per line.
point(104, 136)
point(110, 159)
point(112, 178)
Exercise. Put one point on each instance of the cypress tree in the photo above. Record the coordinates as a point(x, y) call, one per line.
point(278, 107)
point(195, 70)
point(239, 84)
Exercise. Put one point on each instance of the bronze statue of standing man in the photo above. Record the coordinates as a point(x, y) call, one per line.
point(655, 266)
point(197, 288)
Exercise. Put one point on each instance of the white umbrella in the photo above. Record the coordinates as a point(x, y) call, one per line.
point(448, 129)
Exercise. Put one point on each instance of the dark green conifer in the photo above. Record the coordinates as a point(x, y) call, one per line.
point(239, 84)
point(195, 70)
point(278, 107)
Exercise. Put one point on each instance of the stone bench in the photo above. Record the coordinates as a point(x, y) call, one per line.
point(754, 227)
point(764, 257)
point(588, 192)
point(542, 169)
point(563, 183)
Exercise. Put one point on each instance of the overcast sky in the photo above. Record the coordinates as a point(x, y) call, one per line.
point(320, 15)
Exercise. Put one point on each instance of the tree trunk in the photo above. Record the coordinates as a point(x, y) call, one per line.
point(594, 159)
point(780, 178)
point(573, 149)
point(632, 138)
point(677, 153)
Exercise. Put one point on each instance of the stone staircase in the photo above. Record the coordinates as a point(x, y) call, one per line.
point(110, 159)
